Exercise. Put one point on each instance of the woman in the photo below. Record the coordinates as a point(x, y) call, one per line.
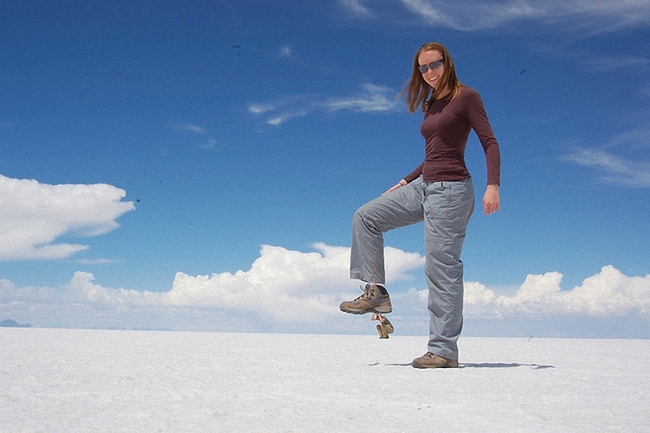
point(440, 193)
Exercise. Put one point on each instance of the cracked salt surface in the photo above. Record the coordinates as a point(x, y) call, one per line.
point(60, 380)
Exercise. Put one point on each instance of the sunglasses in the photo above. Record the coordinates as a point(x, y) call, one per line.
point(432, 66)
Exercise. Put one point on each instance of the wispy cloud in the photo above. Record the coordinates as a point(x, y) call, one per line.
point(293, 288)
point(285, 51)
point(595, 16)
point(598, 63)
point(191, 128)
point(95, 261)
point(261, 108)
point(198, 130)
point(210, 144)
point(613, 63)
point(614, 168)
point(645, 90)
point(356, 7)
point(34, 215)
point(279, 119)
point(371, 99)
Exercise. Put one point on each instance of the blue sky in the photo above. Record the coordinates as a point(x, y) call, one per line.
point(196, 165)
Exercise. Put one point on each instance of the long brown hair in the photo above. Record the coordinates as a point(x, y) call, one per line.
point(418, 92)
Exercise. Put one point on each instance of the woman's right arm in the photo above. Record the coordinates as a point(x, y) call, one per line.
point(399, 184)
point(408, 179)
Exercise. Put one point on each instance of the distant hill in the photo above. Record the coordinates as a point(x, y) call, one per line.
point(12, 324)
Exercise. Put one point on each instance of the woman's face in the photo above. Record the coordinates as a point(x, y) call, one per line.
point(427, 58)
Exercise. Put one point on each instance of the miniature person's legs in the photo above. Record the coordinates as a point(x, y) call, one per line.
point(448, 207)
point(399, 208)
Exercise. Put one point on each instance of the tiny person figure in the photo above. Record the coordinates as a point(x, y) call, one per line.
point(440, 193)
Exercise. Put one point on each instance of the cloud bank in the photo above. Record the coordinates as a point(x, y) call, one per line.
point(34, 215)
point(608, 293)
point(295, 290)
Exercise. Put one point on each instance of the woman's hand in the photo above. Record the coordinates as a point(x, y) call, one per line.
point(400, 184)
point(491, 200)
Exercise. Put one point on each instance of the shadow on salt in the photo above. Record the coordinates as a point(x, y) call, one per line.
point(481, 365)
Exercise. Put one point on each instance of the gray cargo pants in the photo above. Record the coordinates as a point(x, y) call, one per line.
point(445, 208)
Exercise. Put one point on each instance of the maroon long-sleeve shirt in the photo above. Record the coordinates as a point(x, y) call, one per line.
point(446, 127)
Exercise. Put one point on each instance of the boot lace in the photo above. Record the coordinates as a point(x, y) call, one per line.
point(366, 293)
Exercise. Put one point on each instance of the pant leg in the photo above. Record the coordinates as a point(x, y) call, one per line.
point(448, 207)
point(396, 209)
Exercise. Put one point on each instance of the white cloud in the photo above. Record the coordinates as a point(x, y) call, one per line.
point(594, 16)
point(34, 215)
point(281, 286)
point(608, 293)
point(285, 288)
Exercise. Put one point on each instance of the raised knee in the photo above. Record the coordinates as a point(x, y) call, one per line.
point(364, 217)
point(361, 213)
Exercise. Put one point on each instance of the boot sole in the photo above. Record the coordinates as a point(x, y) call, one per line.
point(447, 365)
point(380, 310)
point(420, 366)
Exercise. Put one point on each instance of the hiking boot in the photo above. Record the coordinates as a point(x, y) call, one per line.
point(430, 360)
point(375, 299)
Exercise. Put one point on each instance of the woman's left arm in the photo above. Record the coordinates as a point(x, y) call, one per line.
point(481, 125)
point(491, 199)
